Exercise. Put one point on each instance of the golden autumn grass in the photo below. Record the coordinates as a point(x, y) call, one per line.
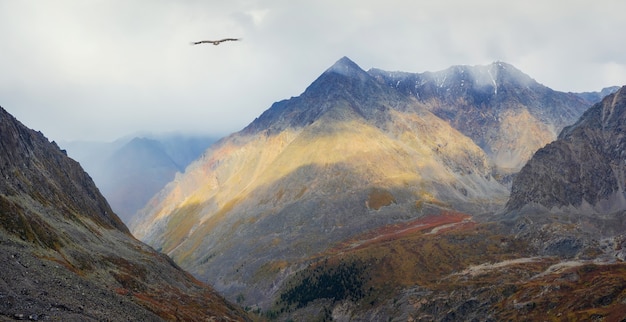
point(437, 252)
point(581, 293)
point(420, 252)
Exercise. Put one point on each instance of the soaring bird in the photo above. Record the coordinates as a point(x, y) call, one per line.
point(214, 42)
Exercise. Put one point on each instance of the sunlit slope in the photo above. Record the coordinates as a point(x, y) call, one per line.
point(260, 201)
point(402, 157)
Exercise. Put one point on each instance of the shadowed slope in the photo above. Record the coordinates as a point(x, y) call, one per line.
point(31, 166)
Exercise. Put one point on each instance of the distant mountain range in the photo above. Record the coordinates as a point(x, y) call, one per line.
point(324, 185)
point(129, 171)
point(65, 255)
point(598, 96)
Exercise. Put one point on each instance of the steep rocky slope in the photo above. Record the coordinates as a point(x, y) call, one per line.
point(348, 155)
point(585, 168)
point(64, 254)
point(504, 111)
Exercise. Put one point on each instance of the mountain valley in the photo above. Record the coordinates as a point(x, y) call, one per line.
point(474, 193)
point(129, 171)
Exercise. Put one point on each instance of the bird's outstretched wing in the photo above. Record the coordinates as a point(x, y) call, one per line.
point(215, 42)
point(229, 39)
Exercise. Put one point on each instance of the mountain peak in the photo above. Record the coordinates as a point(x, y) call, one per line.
point(344, 66)
point(619, 95)
point(344, 81)
point(347, 68)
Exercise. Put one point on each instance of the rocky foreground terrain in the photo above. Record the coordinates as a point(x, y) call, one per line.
point(64, 254)
point(448, 267)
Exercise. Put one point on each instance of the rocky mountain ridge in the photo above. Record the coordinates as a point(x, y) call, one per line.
point(65, 255)
point(504, 111)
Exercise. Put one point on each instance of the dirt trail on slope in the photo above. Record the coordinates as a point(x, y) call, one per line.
point(431, 224)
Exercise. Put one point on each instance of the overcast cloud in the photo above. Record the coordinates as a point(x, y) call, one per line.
point(99, 70)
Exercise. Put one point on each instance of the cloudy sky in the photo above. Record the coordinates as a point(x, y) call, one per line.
point(103, 69)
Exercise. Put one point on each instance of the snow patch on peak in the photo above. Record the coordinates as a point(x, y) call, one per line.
point(493, 81)
point(442, 81)
point(485, 76)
